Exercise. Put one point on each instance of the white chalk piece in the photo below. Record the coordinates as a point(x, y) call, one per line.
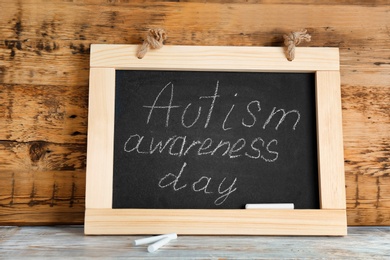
point(154, 247)
point(270, 206)
point(153, 239)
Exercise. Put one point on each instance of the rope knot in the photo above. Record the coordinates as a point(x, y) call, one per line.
point(293, 39)
point(154, 40)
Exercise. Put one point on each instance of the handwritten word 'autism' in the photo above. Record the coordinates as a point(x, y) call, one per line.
point(252, 110)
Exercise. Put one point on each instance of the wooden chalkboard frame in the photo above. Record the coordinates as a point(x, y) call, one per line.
point(101, 218)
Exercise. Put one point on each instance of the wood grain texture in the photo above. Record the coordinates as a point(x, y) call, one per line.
point(101, 140)
point(44, 56)
point(47, 113)
point(215, 222)
point(330, 140)
point(192, 58)
point(69, 242)
point(46, 197)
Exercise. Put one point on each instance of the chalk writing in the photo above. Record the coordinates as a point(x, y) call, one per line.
point(253, 103)
point(214, 139)
point(251, 113)
point(213, 97)
point(168, 107)
point(171, 179)
point(179, 146)
point(174, 181)
point(199, 113)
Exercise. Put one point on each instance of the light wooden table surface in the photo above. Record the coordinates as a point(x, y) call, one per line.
point(44, 75)
point(69, 241)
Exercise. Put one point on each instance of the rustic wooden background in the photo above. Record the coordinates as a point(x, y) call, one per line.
point(44, 66)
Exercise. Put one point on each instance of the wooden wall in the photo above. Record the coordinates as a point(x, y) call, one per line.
point(44, 66)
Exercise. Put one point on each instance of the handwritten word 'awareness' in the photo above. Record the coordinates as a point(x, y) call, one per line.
point(179, 146)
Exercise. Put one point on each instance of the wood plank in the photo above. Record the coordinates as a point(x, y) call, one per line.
point(222, 222)
point(41, 156)
point(32, 190)
point(23, 215)
point(330, 140)
point(366, 148)
point(38, 42)
point(44, 48)
point(53, 114)
point(265, 2)
point(366, 114)
point(368, 199)
point(36, 197)
point(212, 58)
point(100, 138)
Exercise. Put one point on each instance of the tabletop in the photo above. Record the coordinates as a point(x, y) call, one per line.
point(70, 241)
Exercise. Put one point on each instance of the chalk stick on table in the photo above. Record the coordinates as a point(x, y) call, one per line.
point(153, 239)
point(154, 247)
point(270, 206)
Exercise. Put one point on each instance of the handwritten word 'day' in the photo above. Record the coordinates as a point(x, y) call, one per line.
point(252, 108)
point(201, 185)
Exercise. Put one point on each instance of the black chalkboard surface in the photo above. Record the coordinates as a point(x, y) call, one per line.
point(214, 140)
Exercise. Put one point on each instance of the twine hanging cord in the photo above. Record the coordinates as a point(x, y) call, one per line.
point(154, 40)
point(293, 39)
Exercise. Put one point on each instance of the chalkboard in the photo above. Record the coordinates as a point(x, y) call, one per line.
point(181, 140)
point(211, 140)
